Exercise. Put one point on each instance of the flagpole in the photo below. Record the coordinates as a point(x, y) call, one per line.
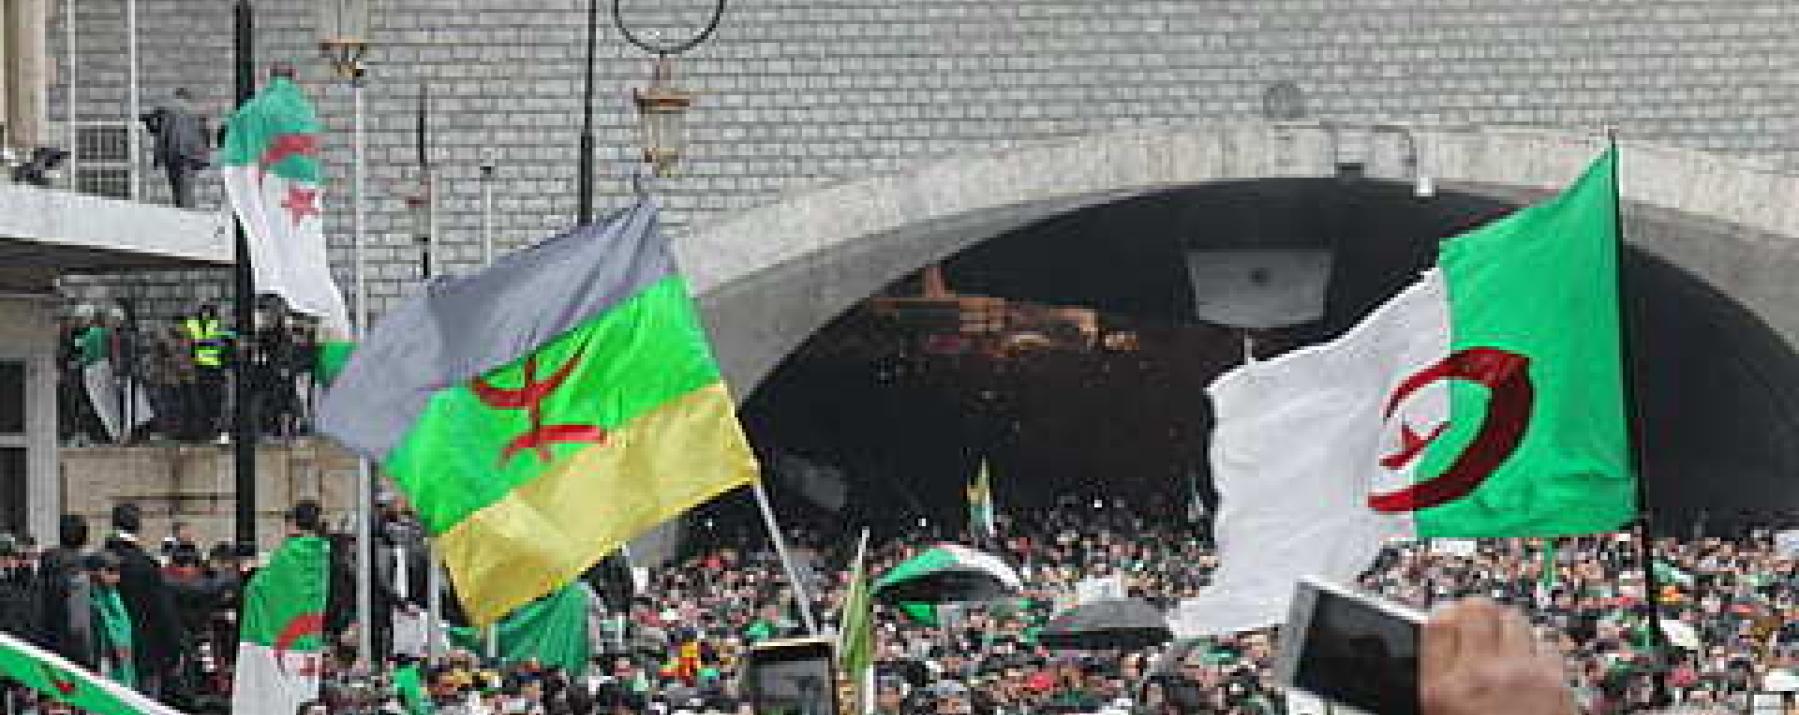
point(365, 478)
point(774, 534)
point(243, 438)
point(1643, 525)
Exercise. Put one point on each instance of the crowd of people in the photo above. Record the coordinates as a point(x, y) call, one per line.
point(678, 644)
point(691, 627)
point(126, 380)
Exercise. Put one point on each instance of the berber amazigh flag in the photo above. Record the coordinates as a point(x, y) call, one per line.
point(281, 640)
point(65, 682)
point(1485, 400)
point(545, 411)
point(273, 178)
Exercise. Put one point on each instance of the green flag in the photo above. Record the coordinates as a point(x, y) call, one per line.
point(980, 504)
point(409, 684)
point(281, 640)
point(856, 635)
point(551, 630)
point(65, 682)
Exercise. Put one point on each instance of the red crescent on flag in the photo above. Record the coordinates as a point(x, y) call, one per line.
point(301, 626)
point(1507, 376)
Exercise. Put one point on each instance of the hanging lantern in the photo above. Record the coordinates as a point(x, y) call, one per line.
point(343, 27)
point(661, 115)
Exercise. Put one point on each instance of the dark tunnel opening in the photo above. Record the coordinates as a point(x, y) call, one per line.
point(1068, 355)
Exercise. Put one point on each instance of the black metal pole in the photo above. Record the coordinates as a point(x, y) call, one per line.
point(243, 420)
point(584, 180)
point(1643, 526)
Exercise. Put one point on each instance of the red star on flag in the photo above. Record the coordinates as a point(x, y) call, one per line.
point(300, 203)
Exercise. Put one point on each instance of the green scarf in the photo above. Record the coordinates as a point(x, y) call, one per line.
point(115, 635)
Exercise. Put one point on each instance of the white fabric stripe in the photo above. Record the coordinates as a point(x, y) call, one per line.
point(286, 259)
point(1295, 454)
point(261, 687)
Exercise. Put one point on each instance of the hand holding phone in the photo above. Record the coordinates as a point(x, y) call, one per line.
point(1473, 657)
point(1479, 657)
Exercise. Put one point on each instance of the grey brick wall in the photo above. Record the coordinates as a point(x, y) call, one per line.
point(798, 92)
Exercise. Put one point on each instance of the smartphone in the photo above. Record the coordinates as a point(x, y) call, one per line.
point(791, 677)
point(1352, 649)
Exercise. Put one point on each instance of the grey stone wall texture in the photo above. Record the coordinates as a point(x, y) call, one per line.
point(797, 93)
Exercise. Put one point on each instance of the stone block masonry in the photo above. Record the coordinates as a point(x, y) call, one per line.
point(798, 93)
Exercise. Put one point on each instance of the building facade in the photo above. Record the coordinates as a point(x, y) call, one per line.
point(798, 94)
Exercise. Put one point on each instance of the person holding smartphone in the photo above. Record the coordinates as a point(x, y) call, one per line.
point(1479, 658)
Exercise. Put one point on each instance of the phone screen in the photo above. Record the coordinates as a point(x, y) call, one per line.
point(1356, 652)
point(792, 678)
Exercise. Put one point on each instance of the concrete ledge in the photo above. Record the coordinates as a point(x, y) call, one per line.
point(194, 483)
point(90, 233)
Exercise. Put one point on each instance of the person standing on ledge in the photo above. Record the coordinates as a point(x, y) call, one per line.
point(181, 144)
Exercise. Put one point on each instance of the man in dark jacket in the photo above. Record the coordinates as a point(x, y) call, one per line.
point(18, 590)
point(64, 617)
point(156, 631)
point(181, 145)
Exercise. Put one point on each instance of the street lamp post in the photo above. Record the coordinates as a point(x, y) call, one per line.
point(343, 27)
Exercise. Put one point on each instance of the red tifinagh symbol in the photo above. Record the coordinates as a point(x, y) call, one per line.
point(1507, 376)
point(529, 397)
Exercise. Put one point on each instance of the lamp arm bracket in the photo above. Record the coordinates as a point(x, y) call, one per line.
point(664, 50)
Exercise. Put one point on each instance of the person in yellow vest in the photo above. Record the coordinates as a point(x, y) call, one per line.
point(209, 340)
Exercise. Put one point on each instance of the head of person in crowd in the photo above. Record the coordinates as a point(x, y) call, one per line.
point(305, 518)
point(127, 518)
point(72, 532)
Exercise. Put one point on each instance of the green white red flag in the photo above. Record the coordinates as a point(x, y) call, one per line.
point(65, 682)
point(275, 183)
point(1486, 400)
point(280, 649)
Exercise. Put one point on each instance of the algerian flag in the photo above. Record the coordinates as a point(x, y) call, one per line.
point(948, 573)
point(980, 504)
point(274, 180)
point(1486, 400)
point(281, 641)
point(65, 682)
point(545, 411)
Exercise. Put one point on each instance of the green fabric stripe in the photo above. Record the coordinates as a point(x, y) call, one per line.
point(644, 352)
point(1542, 283)
point(290, 587)
point(277, 110)
point(929, 562)
point(332, 356)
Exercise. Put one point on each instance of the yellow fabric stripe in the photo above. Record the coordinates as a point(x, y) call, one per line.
point(546, 532)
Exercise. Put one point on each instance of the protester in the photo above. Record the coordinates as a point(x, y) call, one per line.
point(119, 651)
point(62, 581)
point(156, 630)
point(182, 144)
point(1583, 640)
